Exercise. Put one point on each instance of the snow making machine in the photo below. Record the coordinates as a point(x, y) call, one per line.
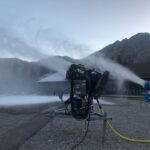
point(86, 85)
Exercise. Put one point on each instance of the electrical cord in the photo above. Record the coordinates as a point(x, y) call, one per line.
point(86, 132)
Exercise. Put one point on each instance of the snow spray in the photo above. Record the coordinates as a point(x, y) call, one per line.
point(116, 70)
point(57, 64)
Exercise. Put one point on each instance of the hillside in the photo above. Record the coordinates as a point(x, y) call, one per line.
point(135, 50)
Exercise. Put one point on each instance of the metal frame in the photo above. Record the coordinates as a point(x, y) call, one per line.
point(61, 113)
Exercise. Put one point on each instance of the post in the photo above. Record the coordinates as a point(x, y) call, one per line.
point(104, 128)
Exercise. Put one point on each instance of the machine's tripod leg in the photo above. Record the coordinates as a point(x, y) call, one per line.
point(104, 129)
point(104, 132)
point(104, 123)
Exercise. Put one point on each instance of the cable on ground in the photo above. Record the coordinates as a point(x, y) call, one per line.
point(86, 132)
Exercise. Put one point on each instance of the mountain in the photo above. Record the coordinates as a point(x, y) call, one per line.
point(135, 50)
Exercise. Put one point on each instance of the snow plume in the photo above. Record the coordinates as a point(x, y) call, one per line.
point(56, 63)
point(39, 44)
point(12, 46)
point(116, 70)
point(55, 43)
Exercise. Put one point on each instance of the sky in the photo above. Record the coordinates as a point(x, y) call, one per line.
point(32, 29)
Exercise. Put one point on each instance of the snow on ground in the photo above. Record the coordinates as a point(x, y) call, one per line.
point(104, 102)
point(16, 100)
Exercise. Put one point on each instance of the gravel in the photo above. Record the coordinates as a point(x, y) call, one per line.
point(131, 117)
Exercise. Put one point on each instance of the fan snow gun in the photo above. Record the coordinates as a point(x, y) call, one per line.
point(86, 84)
point(147, 95)
point(147, 85)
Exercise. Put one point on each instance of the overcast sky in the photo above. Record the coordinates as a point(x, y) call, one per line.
point(68, 27)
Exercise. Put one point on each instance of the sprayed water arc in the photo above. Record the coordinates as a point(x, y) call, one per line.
point(116, 70)
point(60, 65)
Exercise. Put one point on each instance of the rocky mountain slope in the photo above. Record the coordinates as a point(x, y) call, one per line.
point(135, 50)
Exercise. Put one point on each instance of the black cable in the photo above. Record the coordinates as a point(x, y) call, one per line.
point(86, 132)
point(100, 107)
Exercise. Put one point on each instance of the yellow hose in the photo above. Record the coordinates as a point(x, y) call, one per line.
point(119, 134)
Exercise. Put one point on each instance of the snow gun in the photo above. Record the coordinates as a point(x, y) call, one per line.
point(86, 84)
point(147, 85)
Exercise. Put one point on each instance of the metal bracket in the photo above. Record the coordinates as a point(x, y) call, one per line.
point(61, 113)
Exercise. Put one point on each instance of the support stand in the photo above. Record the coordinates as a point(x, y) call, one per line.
point(64, 113)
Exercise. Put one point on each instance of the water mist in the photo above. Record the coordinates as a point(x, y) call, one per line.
point(116, 70)
point(56, 63)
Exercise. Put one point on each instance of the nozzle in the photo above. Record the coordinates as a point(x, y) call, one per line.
point(147, 85)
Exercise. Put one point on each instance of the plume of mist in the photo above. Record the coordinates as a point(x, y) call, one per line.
point(55, 43)
point(120, 85)
point(56, 63)
point(116, 70)
point(12, 46)
point(39, 45)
